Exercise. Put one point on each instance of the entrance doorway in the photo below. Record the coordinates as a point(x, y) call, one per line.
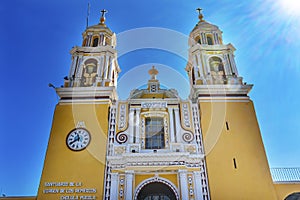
point(156, 191)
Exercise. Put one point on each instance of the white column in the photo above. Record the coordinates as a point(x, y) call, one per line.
point(74, 58)
point(183, 185)
point(114, 186)
point(200, 65)
point(232, 61)
point(177, 125)
point(198, 185)
point(131, 124)
point(205, 70)
point(105, 66)
point(89, 40)
point(171, 125)
point(226, 65)
point(137, 125)
point(129, 183)
point(110, 68)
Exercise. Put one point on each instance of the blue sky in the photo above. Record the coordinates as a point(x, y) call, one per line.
point(36, 37)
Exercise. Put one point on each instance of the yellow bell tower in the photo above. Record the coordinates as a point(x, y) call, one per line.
point(236, 162)
point(74, 166)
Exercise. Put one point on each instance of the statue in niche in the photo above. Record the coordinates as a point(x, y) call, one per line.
point(217, 69)
point(89, 74)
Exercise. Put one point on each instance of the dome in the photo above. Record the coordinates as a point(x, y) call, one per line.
point(99, 35)
point(205, 33)
point(204, 25)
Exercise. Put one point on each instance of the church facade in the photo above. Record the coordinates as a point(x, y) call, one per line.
point(155, 145)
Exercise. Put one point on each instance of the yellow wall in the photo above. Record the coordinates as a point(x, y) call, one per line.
point(17, 198)
point(251, 179)
point(285, 189)
point(86, 167)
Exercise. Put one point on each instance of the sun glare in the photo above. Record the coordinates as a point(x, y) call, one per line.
point(290, 7)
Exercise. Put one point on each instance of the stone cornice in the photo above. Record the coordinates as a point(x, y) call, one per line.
point(220, 90)
point(78, 94)
point(137, 159)
point(99, 49)
point(219, 47)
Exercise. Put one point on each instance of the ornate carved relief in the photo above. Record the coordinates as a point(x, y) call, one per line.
point(119, 150)
point(121, 186)
point(190, 148)
point(190, 181)
point(161, 104)
point(186, 116)
point(122, 116)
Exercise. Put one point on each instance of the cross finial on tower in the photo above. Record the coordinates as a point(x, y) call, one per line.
point(103, 12)
point(199, 10)
point(102, 19)
point(200, 14)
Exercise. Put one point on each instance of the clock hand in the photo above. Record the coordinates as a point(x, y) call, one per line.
point(76, 139)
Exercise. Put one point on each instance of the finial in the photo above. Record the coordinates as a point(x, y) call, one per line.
point(102, 19)
point(200, 14)
point(153, 72)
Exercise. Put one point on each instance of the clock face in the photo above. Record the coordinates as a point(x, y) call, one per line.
point(78, 139)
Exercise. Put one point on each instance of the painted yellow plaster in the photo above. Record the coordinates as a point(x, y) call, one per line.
point(242, 142)
point(86, 166)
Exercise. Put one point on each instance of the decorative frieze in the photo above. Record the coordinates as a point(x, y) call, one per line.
point(156, 104)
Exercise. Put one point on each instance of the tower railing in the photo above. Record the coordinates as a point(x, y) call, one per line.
point(285, 174)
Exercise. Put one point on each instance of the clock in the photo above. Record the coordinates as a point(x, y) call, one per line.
point(78, 139)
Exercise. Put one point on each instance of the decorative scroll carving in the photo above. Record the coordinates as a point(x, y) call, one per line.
point(121, 138)
point(188, 137)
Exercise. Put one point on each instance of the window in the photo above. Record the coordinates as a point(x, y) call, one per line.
point(209, 40)
point(95, 42)
point(154, 133)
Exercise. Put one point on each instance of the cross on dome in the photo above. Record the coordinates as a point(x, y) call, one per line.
point(102, 19)
point(200, 14)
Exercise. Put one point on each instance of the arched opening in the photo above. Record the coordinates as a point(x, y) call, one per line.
point(89, 72)
point(157, 191)
point(95, 41)
point(216, 66)
point(293, 196)
point(198, 40)
point(209, 40)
